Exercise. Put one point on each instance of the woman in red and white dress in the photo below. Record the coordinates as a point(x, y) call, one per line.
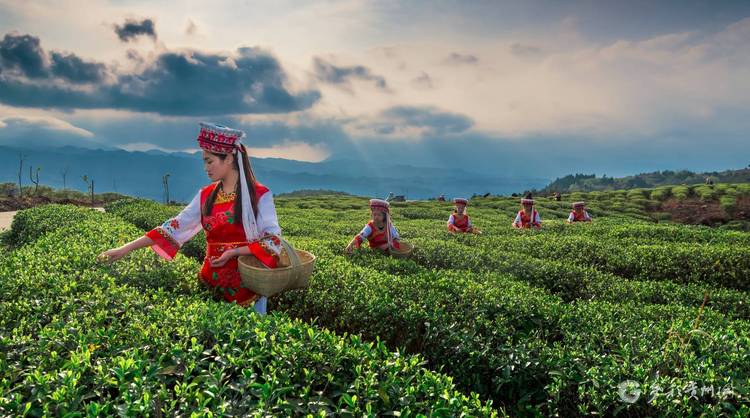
point(579, 213)
point(459, 221)
point(379, 232)
point(236, 212)
point(527, 217)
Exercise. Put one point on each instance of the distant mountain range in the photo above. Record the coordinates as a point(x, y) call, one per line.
point(140, 174)
point(589, 182)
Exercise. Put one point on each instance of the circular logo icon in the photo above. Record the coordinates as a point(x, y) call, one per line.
point(629, 391)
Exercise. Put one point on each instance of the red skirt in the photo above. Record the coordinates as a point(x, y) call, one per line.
point(225, 280)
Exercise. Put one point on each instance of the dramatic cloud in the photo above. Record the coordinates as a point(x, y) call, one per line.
point(132, 29)
point(517, 85)
point(47, 123)
point(174, 83)
point(412, 121)
point(76, 70)
point(547, 157)
point(342, 76)
point(43, 132)
point(457, 58)
point(194, 83)
point(24, 54)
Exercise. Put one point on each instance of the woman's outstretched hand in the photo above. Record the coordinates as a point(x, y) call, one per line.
point(220, 261)
point(115, 254)
point(111, 255)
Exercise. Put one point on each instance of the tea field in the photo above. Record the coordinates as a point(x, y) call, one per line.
point(622, 317)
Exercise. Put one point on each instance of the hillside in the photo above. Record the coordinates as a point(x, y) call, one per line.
point(140, 174)
point(35, 196)
point(615, 317)
point(723, 204)
point(590, 182)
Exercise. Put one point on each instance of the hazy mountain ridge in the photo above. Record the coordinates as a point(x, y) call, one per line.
point(139, 173)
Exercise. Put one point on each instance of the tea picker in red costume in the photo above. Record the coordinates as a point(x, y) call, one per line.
point(527, 217)
point(379, 232)
point(579, 213)
point(236, 212)
point(459, 221)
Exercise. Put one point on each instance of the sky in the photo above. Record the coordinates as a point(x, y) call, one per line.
point(532, 88)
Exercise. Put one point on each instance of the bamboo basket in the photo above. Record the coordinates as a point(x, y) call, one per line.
point(296, 267)
point(403, 252)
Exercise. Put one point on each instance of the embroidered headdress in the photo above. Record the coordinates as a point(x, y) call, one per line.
point(224, 140)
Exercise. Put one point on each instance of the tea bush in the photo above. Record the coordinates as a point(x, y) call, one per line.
point(547, 322)
point(140, 338)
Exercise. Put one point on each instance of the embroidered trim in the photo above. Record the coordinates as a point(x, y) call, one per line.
point(167, 237)
point(218, 138)
point(239, 243)
point(247, 303)
point(269, 259)
point(223, 197)
point(220, 247)
point(272, 248)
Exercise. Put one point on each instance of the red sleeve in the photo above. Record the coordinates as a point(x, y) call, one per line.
point(260, 253)
point(163, 245)
point(260, 190)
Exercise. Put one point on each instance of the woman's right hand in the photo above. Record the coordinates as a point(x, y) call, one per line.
point(111, 255)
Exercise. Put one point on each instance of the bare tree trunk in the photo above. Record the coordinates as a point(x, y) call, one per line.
point(64, 174)
point(20, 172)
point(36, 182)
point(165, 182)
point(91, 187)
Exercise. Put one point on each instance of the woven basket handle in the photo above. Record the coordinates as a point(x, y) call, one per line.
point(291, 252)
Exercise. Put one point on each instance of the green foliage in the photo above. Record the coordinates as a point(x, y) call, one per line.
point(541, 322)
point(139, 338)
point(147, 214)
point(28, 225)
point(661, 193)
point(681, 192)
point(56, 195)
point(582, 182)
point(706, 193)
point(728, 203)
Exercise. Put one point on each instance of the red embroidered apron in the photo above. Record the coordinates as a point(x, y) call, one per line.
point(461, 224)
point(377, 239)
point(526, 221)
point(223, 232)
point(577, 218)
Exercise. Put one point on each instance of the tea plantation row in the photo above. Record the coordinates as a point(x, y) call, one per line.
point(535, 328)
